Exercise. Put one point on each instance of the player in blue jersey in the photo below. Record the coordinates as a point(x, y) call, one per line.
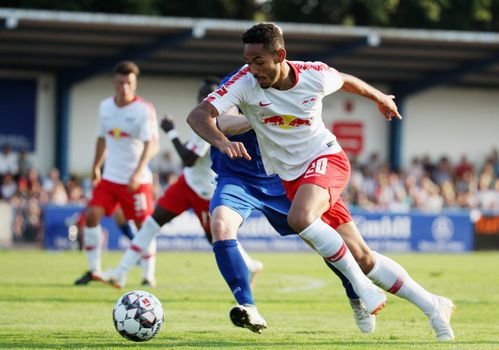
point(241, 187)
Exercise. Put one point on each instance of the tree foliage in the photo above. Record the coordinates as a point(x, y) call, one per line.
point(471, 15)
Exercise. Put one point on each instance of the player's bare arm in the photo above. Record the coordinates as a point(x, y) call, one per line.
point(150, 149)
point(202, 120)
point(385, 103)
point(100, 155)
point(233, 123)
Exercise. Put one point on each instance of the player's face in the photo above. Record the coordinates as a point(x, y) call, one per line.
point(264, 65)
point(125, 86)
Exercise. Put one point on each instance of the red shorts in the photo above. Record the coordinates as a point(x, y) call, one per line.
point(136, 205)
point(179, 197)
point(331, 172)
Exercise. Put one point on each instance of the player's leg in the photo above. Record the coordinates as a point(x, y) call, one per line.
point(312, 197)
point(170, 205)
point(148, 264)
point(224, 225)
point(201, 208)
point(123, 224)
point(229, 206)
point(275, 209)
point(103, 202)
point(140, 246)
point(364, 320)
point(392, 277)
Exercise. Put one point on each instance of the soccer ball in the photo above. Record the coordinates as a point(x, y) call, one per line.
point(138, 315)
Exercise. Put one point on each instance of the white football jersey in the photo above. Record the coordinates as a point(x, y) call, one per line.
point(288, 123)
point(200, 177)
point(125, 130)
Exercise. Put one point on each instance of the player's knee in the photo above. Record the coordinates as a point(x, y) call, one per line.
point(92, 217)
point(300, 220)
point(220, 230)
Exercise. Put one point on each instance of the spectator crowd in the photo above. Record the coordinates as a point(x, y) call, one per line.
point(425, 185)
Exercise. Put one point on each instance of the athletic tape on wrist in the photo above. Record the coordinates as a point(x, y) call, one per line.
point(172, 134)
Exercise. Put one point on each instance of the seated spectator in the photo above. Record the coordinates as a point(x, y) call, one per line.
point(443, 172)
point(463, 167)
point(51, 180)
point(9, 187)
point(8, 161)
point(24, 163)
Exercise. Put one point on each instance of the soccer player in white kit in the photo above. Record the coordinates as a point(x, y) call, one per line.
point(127, 140)
point(283, 102)
point(193, 189)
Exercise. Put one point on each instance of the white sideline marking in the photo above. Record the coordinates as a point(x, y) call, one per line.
point(304, 283)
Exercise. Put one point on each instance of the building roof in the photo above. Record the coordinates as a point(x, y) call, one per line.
point(80, 45)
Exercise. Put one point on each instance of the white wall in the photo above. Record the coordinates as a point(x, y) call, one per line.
point(375, 127)
point(43, 158)
point(451, 122)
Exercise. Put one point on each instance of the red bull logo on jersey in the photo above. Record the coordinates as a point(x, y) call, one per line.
point(117, 133)
point(285, 121)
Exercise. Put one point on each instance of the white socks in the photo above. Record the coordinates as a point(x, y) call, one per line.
point(393, 278)
point(328, 243)
point(148, 262)
point(139, 245)
point(92, 244)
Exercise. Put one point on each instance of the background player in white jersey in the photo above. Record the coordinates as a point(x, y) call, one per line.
point(193, 189)
point(127, 139)
point(283, 102)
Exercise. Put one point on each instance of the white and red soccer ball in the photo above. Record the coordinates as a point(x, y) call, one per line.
point(138, 315)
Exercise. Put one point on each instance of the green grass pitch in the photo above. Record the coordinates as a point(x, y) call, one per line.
point(302, 301)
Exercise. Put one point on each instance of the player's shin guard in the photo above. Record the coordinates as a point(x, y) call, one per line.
point(329, 244)
point(393, 278)
point(234, 270)
point(148, 262)
point(92, 243)
point(139, 244)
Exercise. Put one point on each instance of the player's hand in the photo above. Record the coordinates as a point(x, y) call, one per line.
point(96, 176)
point(167, 123)
point(235, 150)
point(133, 183)
point(387, 107)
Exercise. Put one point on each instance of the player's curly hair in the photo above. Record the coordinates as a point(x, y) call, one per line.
point(268, 34)
point(126, 67)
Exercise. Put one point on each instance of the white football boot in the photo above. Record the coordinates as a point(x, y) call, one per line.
point(247, 316)
point(364, 320)
point(373, 297)
point(113, 278)
point(440, 318)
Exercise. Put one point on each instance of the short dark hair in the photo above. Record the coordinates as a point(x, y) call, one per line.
point(268, 34)
point(126, 67)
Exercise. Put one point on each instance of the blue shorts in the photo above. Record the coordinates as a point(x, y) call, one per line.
point(243, 198)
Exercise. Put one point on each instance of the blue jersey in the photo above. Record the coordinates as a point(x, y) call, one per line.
point(250, 170)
